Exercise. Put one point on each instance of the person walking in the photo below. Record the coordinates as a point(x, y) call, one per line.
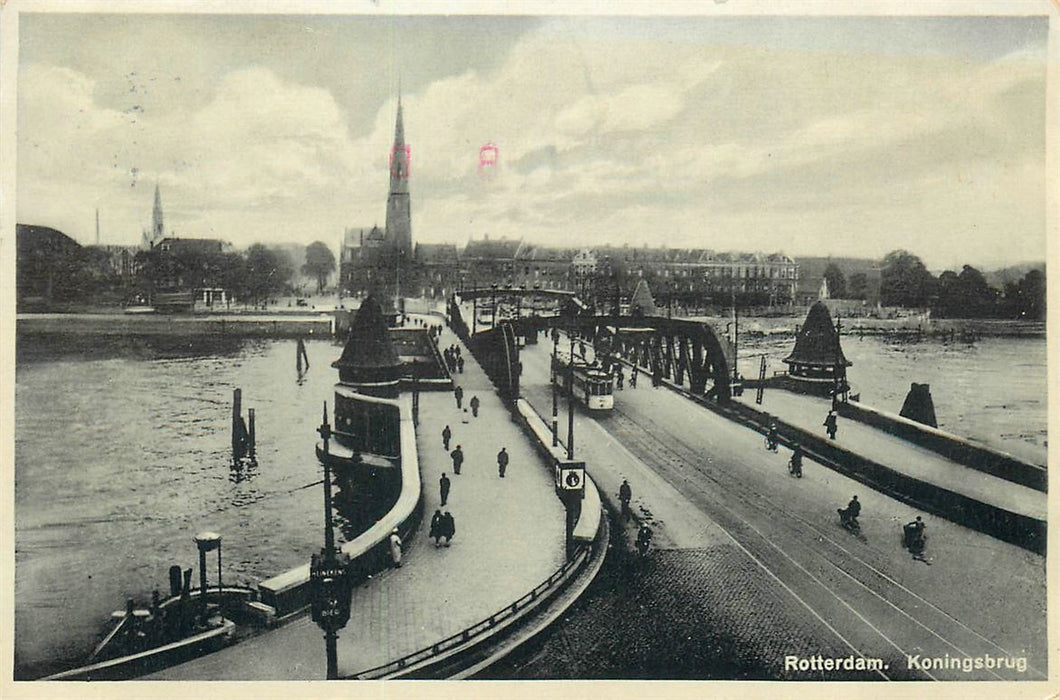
point(795, 463)
point(436, 527)
point(447, 435)
point(458, 459)
point(830, 425)
point(474, 406)
point(502, 461)
point(460, 364)
point(633, 377)
point(458, 392)
point(395, 547)
point(625, 494)
point(443, 487)
point(447, 527)
point(619, 377)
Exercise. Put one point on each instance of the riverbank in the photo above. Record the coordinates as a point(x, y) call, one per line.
point(909, 327)
point(245, 325)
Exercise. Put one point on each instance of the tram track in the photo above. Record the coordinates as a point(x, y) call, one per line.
point(868, 608)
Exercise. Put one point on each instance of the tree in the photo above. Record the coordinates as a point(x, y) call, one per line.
point(949, 296)
point(1030, 295)
point(267, 272)
point(858, 286)
point(980, 299)
point(904, 281)
point(837, 284)
point(319, 263)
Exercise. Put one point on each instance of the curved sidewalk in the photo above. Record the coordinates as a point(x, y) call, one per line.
point(509, 538)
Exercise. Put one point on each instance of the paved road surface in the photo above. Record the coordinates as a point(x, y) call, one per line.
point(702, 478)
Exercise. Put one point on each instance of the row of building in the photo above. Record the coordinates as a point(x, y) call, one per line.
point(436, 270)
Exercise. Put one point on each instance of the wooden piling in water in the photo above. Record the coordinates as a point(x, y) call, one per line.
point(239, 426)
point(301, 354)
point(250, 436)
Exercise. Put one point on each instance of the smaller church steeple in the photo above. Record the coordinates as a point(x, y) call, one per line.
point(157, 226)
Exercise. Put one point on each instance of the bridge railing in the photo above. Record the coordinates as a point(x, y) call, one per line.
point(540, 592)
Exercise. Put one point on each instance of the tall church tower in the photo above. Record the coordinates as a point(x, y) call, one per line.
point(398, 211)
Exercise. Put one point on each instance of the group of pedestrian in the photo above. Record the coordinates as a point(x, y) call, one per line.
point(443, 526)
point(457, 455)
point(454, 360)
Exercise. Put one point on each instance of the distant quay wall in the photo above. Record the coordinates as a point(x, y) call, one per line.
point(236, 325)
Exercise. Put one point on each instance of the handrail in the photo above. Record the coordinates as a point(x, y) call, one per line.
point(486, 624)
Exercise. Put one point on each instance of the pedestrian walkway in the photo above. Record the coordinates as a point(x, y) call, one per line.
point(509, 538)
point(808, 412)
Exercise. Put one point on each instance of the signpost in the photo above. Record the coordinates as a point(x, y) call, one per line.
point(329, 578)
point(570, 485)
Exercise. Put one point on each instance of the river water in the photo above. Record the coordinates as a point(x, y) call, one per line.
point(122, 456)
point(993, 391)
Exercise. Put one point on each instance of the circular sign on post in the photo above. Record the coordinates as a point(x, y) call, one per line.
point(572, 479)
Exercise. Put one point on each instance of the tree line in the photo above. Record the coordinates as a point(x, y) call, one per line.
point(906, 282)
point(52, 268)
point(254, 276)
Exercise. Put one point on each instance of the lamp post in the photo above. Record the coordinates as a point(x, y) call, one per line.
point(570, 399)
point(493, 298)
point(555, 410)
point(735, 338)
point(838, 364)
point(205, 542)
point(328, 573)
point(474, 311)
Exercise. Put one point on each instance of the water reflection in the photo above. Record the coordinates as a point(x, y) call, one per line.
point(56, 347)
point(243, 469)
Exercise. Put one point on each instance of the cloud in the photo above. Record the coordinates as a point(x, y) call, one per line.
point(603, 138)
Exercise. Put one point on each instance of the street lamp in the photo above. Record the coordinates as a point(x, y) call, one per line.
point(329, 573)
point(570, 399)
point(555, 410)
point(493, 296)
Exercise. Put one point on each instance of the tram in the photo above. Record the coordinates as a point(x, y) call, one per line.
point(593, 387)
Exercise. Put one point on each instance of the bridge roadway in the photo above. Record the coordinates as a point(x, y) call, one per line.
point(785, 577)
point(509, 538)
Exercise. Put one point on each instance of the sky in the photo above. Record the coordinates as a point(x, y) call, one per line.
point(846, 136)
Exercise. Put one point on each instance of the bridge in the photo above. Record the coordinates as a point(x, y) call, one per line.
point(690, 354)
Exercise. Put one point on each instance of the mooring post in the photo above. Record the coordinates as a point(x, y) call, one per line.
point(237, 412)
point(301, 354)
point(250, 431)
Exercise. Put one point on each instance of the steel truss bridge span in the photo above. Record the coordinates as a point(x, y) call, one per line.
point(688, 353)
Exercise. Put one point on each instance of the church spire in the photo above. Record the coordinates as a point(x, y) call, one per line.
point(157, 225)
point(398, 210)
